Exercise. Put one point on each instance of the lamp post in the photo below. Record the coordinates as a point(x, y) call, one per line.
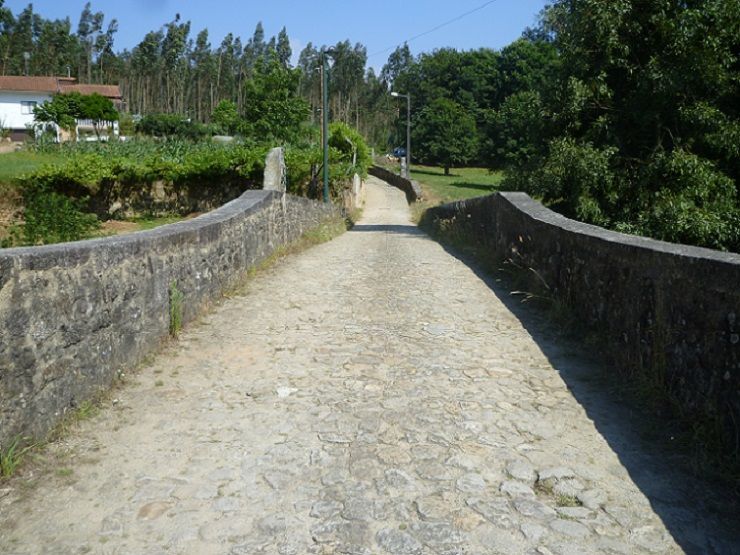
point(408, 130)
point(325, 116)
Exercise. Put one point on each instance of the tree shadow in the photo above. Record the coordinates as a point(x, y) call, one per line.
point(437, 173)
point(477, 186)
point(700, 512)
point(389, 228)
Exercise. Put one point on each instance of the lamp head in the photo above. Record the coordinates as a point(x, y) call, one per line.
point(395, 94)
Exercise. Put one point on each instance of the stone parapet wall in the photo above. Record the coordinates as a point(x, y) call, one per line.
point(670, 312)
point(410, 188)
point(73, 315)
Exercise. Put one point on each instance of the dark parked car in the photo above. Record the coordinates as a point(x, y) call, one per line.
point(399, 152)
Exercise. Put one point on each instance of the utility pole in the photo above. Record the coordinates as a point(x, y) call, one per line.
point(408, 131)
point(325, 122)
point(325, 116)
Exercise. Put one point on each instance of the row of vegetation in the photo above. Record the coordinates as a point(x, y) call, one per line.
point(176, 70)
point(620, 114)
point(55, 196)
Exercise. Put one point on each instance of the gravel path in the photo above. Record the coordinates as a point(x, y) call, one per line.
point(371, 395)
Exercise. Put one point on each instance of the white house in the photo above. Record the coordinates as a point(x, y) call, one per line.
point(19, 95)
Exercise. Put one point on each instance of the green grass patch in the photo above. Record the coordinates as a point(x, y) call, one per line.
point(16, 164)
point(462, 183)
point(151, 222)
point(11, 456)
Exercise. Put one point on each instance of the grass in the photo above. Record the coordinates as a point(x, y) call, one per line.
point(150, 222)
point(462, 183)
point(11, 457)
point(15, 164)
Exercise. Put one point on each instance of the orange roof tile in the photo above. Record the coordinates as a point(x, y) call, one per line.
point(29, 84)
point(110, 91)
point(54, 85)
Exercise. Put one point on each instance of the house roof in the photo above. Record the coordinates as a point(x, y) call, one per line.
point(55, 85)
point(111, 91)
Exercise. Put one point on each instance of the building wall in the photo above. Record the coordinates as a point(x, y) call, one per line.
point(11, 116)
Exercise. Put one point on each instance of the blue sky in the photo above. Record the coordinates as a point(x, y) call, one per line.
point(377, 24)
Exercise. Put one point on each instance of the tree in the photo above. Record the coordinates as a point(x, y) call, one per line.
point(65, 109)
point(399, 62)
point(62, 110)
point(272, 108)
point(90, 25)
point(640, 120)
point(97, 108)
point(283, 49)
point(444, 133)
point(226, 116)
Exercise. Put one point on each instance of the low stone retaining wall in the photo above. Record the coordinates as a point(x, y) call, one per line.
point(72, 315)
point(671, 312)
point(411, 188)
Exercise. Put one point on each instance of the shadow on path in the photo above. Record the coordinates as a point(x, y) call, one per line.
point(389, 228)
point(702, 515)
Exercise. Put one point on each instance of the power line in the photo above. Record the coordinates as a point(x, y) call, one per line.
point(437, 28)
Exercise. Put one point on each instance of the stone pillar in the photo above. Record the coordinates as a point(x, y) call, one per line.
point(276, 179)
point(357, 191)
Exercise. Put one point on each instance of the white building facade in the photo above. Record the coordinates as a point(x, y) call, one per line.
point(20, 95)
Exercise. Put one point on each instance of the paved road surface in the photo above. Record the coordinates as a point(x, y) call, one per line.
point(371, 395)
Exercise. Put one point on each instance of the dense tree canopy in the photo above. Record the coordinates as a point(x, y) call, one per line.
point(619, 113)
point(445, 134)
point(638, 129)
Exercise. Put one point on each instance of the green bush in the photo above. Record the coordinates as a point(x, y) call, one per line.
point(51, 217)
point(172, 126)
point(87, 167)
point(694, 203)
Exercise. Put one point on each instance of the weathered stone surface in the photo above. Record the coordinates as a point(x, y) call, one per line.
point(397, 541)
point(621, 286)
point(516, 489)
point(522, 470)
point(72, 315)
point(570, 528)
point(383, 425)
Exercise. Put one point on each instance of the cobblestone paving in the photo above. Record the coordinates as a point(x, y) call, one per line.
point(371, 395)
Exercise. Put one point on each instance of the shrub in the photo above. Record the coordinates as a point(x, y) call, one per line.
point(171, 125)
point(51, 217)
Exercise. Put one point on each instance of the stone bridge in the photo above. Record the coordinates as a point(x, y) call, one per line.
point(373, 394)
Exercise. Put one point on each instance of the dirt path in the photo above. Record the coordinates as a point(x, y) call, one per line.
point(371, 395)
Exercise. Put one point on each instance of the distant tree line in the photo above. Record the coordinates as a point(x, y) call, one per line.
point(623, 114)
point(170, 71)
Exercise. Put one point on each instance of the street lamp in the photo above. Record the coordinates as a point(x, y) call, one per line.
point(408, 130)
point(330, 52)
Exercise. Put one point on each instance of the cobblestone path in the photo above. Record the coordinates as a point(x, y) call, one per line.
point(371, 395)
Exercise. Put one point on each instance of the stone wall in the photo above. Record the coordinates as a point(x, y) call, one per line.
point(670, 312)
point(72, 315)
point(411, 188)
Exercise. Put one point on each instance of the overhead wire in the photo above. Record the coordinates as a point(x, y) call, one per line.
point(437, 28)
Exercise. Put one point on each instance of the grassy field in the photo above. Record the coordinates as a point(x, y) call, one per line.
point(15, 164)
point(462, 183)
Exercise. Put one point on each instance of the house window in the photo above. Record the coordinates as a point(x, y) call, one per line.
point(27, 106)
